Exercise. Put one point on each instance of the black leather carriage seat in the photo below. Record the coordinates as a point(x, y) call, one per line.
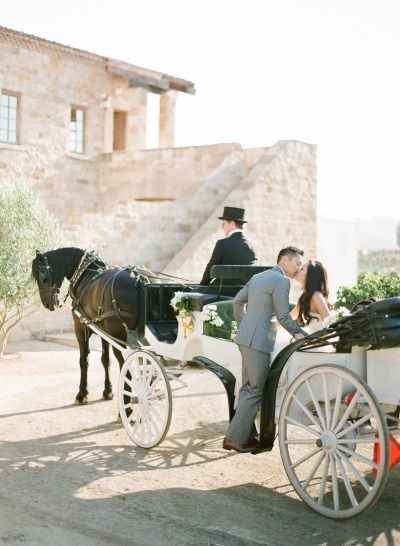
point(242, 273)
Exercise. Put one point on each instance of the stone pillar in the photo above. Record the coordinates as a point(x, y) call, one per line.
point(108, 126)
point(167, 120)
point(137, 119)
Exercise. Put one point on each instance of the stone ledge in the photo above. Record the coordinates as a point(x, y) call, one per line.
point(81, 157)
point(14, 147)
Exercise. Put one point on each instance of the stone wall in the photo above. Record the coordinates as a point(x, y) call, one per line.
point(279, 195)
point(169, 173)
point(379, 261)
point(49, 83)
point(151, 233)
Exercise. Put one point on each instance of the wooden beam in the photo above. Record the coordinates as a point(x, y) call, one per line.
point(155, 82)
point(150, 83)
point(181, 85)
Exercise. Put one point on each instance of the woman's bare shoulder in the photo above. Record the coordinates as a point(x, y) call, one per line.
point(319, 303)
point(318, 297)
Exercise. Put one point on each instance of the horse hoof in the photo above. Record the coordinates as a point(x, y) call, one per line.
point(108, 395)
point(80, 401)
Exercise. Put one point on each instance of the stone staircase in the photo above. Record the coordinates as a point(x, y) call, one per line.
point(279, 195)
point(152, 233)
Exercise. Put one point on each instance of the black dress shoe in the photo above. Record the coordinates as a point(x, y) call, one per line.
point(250, 446)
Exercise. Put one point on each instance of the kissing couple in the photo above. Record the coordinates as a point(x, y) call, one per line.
point(258, 306)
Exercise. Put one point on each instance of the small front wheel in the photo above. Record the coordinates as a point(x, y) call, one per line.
point(145, 399)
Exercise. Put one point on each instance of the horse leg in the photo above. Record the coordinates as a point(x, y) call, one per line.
point(119, 357)
point(105, 359)
point(82, 335)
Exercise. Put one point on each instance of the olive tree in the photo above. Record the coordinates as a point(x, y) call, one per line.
point(25, 225)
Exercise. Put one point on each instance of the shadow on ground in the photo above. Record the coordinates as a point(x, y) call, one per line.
point(49, 477)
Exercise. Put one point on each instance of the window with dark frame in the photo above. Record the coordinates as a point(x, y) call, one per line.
point(77, 130)
point(9, 104)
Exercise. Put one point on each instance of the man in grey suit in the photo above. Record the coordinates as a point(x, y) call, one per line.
point(266, 296)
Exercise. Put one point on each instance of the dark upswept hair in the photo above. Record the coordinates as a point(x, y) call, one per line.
point(316, 281)
point(289, 251)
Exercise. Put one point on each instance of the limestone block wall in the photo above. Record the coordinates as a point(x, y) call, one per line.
point(49, 83)
point(141, 233)
point(43, 322)
point(167, 119)
point(169, 173)
point(151, 233)
point(279, 195)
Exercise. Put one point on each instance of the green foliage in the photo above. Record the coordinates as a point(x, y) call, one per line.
point(369, 285)
point(25, 225)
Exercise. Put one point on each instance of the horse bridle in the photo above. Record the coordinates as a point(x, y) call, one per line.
point(46, 277)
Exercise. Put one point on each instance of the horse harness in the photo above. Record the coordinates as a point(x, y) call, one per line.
point(87, 260)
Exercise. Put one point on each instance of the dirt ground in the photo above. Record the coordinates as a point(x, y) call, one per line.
point(70, 477)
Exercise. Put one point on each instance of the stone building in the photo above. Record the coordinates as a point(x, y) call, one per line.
point(73, 124)
point(66, 115)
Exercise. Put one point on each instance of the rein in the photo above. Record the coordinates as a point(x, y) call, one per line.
point(159, 275)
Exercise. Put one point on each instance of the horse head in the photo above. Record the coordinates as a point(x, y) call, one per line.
point(48, 284)
point(49, 269)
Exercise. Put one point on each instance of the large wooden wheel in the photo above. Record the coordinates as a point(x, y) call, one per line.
point(145, 399)
point(331, 430)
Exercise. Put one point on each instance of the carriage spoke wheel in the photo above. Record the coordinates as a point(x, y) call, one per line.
point(145, 399)
point(334, 441)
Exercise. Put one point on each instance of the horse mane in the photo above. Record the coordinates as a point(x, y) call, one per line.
point(59, 259)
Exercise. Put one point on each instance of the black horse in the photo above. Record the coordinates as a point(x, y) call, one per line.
point(107, 296)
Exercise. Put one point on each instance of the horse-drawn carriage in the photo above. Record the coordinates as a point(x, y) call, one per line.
point(332, 398)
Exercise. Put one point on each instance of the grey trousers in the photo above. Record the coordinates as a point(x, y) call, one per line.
point(255, 367)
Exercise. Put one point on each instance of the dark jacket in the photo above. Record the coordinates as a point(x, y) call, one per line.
point(233, 250)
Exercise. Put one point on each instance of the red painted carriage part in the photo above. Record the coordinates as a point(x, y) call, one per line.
point(394, 451)
point(349, 397)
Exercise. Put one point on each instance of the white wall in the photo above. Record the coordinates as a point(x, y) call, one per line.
point(337, 248)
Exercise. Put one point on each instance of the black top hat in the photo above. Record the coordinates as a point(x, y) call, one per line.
point(233, 213)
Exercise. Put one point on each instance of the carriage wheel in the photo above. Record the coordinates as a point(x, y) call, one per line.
point(145, 399)
point(331, 430)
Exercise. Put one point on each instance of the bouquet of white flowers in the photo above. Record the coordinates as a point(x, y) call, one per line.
point(209, 314)
point(183, 307)
point(180, 302)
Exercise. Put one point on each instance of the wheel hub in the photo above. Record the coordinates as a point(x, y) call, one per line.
point(327, 441)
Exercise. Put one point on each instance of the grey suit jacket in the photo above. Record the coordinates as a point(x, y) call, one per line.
point(267, 296)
